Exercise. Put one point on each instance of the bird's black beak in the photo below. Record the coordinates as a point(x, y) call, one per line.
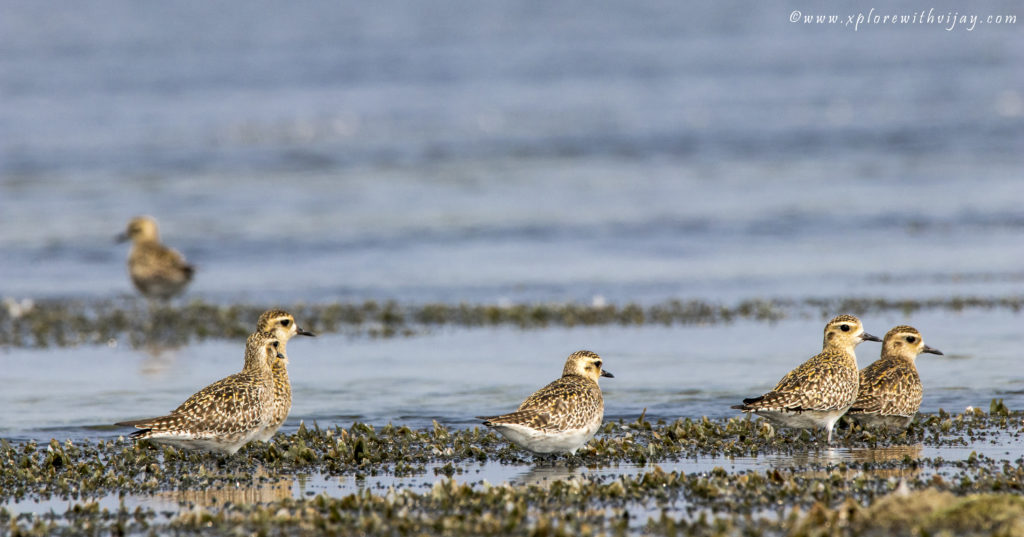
point(608, 374)
point(302, 332)
point(931, 350)
point(121, 237)
point(864, 336)
point(280, 356)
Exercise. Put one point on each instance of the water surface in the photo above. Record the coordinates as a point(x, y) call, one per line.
point(511, 152)
point(452, 374)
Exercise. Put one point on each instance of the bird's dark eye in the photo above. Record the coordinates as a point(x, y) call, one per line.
point(286, 322)
point(275, 344)
point(845, 328)
point(911, 339)
point(598, 364)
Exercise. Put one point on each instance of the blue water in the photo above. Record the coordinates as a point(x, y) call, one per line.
point(497, 152)
point(486, 151)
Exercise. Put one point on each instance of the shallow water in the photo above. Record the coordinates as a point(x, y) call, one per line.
point(453, 374)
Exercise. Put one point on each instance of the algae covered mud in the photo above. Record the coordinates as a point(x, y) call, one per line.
point(958, 474)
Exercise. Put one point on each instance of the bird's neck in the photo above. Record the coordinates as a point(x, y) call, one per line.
point(845, 348)
point(846, 351)
point(901, 357)
point(256, 362)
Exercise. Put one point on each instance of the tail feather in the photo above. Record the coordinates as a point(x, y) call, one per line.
point(516, 416)
point(774, 401)
point(525, 418)
point(146, 423)
point(746, 406)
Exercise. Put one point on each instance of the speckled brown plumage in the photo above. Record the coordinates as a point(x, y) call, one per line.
point(561, 416)
point(820, 390)
point(827, 381)
point(225, 415)
point(890, 391)
point(157, 271)
point(281, 325)
point(567, 403)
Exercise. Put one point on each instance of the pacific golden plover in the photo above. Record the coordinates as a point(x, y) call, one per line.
point(280, 325)
point(157, 271)
point(890, 388)
point(225, 415)
point(562, 416)
point(819, 391)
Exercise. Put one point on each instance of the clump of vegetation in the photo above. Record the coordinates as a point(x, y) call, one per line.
point(74, 322)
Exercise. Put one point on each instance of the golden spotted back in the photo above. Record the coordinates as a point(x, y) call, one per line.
point(228, 412)
point(567, 403)
point(891, 386)
point(826, 381)
point(573, 401)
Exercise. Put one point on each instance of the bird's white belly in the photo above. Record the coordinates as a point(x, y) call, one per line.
point(204, 443)
point(807, 419)
point(548, 442)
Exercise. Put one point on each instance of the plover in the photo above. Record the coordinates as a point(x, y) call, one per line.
point(562, 416)
point(225, 415)
point(157, 271)
point(280, 325)
point(890, 388)
point(819, 391)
